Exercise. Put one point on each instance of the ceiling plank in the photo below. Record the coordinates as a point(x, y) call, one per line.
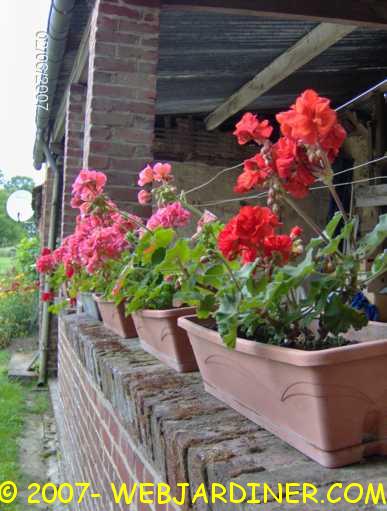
point(368, 13)
point(311, 45)
point(371, 196)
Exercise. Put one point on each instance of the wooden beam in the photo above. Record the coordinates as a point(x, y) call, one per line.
point(367, 13)
point(371, 196)
point(311, 45)
point(77, 74)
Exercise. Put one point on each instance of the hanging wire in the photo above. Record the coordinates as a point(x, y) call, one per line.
point(206, 183)
point(223, 171)
point(264, 194)
point(350, 182)
point(360, 165)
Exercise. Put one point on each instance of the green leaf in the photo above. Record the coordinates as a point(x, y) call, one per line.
point(372, 240)
point(339, 317)
point(331, 227)
point(380, 263)
point(158, 255)
point(206, 306)
point(345, 234)
point(163, 237)
point(227, 317)
point(314, 243)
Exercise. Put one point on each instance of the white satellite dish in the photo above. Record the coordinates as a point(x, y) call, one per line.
point(19, 206)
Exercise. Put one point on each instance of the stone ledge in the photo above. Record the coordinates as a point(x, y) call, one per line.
point(186, 434)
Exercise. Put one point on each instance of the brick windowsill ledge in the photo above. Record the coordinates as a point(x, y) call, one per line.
point(125, 417)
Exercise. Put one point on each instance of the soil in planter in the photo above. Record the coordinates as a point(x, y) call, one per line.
point(306, 341)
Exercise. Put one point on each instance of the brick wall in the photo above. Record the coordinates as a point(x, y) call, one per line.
point(73, 152)
point(121, 95)
point(124, 417)
point(105, 452)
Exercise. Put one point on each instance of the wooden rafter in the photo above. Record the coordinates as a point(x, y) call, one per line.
point(368, 13)
point(311, 45)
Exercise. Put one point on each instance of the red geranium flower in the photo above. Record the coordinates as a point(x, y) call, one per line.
point(333, 141)
point(256, 171)
point(244, 234)
point(299, 183)
point(279, 245)
point(291, 167)
point(309, 120)
point(48, 296)
point(296, 232)
point(250, 128)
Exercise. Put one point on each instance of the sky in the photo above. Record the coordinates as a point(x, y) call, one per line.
point(19, 22)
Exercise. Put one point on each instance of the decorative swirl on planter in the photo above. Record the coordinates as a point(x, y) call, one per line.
point(324, 391)
point(165, 333)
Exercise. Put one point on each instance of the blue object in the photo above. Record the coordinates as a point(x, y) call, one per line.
point(361, 303)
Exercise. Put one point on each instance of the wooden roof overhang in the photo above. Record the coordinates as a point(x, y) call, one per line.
point(220, 57)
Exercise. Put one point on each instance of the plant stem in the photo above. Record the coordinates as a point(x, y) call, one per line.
point(337, 200)
point(305, 217)
point(191, 208)
point(185, 272)
point(229, 269)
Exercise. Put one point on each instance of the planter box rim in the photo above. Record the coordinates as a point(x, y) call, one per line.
point(99, 299)
point(292, 356)
point(166, 313)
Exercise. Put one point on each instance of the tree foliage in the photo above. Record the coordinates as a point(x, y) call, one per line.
point(12, 232)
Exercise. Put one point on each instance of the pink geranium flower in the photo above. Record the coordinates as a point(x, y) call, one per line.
point(46, 262)
point(88, 186)
point(162, 172)
point(206, 218)
point(144, 197)
point(172, 215)
point(146, 176)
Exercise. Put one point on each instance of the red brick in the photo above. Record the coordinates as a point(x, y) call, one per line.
point(106, 64)
point(132, 135)
point(118, 38)
point(119, 11)
point(106, 23)
point(105, 49)
point(114, 91)
point(130, 26)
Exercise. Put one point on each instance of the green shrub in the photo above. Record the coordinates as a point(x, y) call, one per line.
point(19, 294)
point(18, 315)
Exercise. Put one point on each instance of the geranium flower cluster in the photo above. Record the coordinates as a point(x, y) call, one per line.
point(87, 187)
point(170, 212)
point(160, 172)
point(172, 215)
point(310, 140)
point(252, 233)
point(99, 235)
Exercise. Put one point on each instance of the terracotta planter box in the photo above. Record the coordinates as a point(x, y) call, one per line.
point(161, 336)
point(114, 319)
point(331, 404)
point(89, 305)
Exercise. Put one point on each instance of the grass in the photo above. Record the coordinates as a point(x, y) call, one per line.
point(16, 401)
point(12, 410)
